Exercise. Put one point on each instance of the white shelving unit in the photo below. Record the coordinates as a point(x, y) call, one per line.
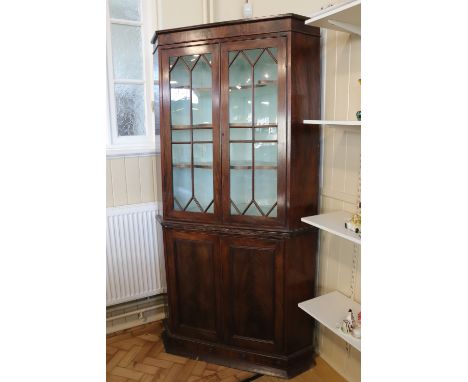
point(327, 122)
point(344, 17)
point(334, 222)
point(330, 309)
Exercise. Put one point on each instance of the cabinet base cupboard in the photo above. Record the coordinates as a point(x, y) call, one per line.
point(239, 171)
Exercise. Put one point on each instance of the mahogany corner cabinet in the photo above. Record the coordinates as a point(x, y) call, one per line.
point(239, 170)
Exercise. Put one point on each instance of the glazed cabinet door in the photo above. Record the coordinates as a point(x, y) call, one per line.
point(193, 269)
point(253, 293)
point(253, 118)
point(190, 132)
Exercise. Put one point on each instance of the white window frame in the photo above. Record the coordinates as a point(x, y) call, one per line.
point(141, 144)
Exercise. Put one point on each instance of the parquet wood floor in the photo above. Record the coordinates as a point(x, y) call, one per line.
point(138, 354)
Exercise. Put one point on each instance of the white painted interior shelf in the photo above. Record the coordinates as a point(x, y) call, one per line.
point(334, 222)
point(344, 17)
point(330, 309)
point(327, 122)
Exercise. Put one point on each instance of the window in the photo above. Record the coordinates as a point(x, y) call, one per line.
point(131, 127)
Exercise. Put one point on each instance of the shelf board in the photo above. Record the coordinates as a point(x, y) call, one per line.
point(334, 222)
point(329, 310)
point(328, 122)
point(344, 17)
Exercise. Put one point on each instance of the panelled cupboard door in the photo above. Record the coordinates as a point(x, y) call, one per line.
point(253, 293)
point(253, 120)
point(190, 132)
point(193, 270)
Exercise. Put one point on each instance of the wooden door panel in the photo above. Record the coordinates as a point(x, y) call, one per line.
point(193, 270)
point(253, 292)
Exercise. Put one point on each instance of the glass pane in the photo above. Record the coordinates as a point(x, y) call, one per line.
point(253, 211)
point(157, 119)
point(181, 154)
point(266, 90)
point(201, 75)
point(203, 153)
point(126, 52)
point(273, 213)
point(172, 61)
point(194, 207)
point(181, 136)
point(130, 108)
point(241, 189)
point(202, 135)
point(232, 55)
point(182, 187)
point(240, 134)
point(203, 186)
point(265, 189)
point(241, 154)
point(253, 54)
point(201, 106)
point(266, 133)
point(201, 95)
point(274, 52)
point(191, 60)
point(125, 9)
point(240, 91)
point(266, 154)
point(180, 94)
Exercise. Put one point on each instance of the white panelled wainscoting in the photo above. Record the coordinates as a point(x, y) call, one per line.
point(135, 264)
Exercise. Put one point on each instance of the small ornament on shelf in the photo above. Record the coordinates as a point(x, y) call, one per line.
point(350, 326)
point(354, 224)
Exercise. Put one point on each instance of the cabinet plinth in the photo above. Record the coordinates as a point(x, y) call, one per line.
point(239, 170)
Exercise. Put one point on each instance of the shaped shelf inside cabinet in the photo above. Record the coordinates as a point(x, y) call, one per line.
point(333, 222)
point(330, 309)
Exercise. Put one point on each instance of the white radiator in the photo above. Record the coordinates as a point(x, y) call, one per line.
point(135, 259)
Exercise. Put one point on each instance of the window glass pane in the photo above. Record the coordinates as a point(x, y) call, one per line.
point(201, 91)
point(202, 135)
point(241, 154)
point(182, 154)
point(181, 136)
point(182, 187)
point(125, 9)
point(266, 90)
point(240, 133)
point(241, 190)
point(180, 94)
point(253, 54)
point(157, 119)
point(130, 108)
point(266, 133)
point(240, 90)
point(203, 187)
point(266, 154)
point(203, 153)
point(266, 190)
point(127, 52)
